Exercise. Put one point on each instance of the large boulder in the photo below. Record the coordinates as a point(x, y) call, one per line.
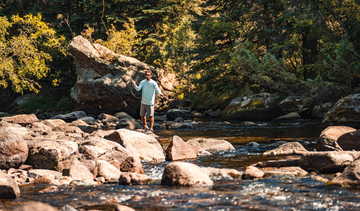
point(259, 107)
point(327, 162)
point(349, 177)
point(294, 104)
point(108, 171)
point(146, 147)
point(51, 154)
point(179, 150)
point(13, 149)
point(8, 187)
point(35, 206)
point(129, 178)
point(346, 112)
point(350, 141)
point(330, 135)
point(104, 79)
point(185, 174)
point(22, 119)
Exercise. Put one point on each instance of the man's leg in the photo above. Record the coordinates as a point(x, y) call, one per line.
point(151, 122)
point(143, 119)
point(143, 115)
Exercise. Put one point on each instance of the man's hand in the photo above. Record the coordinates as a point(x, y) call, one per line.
point(162, 95)
point(132, 81)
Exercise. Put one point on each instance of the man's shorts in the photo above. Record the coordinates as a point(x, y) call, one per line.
point(146, 109)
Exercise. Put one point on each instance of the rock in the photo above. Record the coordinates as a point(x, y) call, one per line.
point(215, 114)
point(51, 154)
point(253, 144)
point(172, 114)
point(53, 122)
point(65, 180)
point(13, 149)
point(47, 179)
point(160, 118)
point(185, 174)
point(278, 163)
point(330, 135)
point(123, 115)
point(252, 172)
point(291, 171)
point(350, 141)
point(127, 124)
point(17, 130)
point(211, 145)
point(327, 162)
point(179, 119)
point(81, 173)
point(67, 129)
point(107, 118)
point(108, 171)
point(350, 177)
point(88, 119)
point(91, 165)
point(178, 125)
point(44, 172)
point(4, 114)
point(104, 79)
point(35, 206)
point(286, 149)
point(259, 107)
point(319, 111)
point(101, 133)
point(295, 104)
point(69, 117)
point(132, 164)
point(22, 119)
point(23, 99)
point(39, 127)
point(8, 187)
point(129, 178)
point(67, 208)
point(179, 150)
point(222, 173)
point(139, 144)
point(123, 208)
point(288, 117)
point(345, 112)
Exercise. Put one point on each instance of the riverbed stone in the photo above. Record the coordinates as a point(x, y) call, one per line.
point(172, 114)
point(8, 187)
point(328, 161)
point(252, 172)
point(350, 141)
point(286, 149)
point(330, 135)
point(108, 171)
point(66, 128)
point(51, 154)
point(319, 111)
point(132, 164)
point(211, 145)
point(21, 119)
point(35, 206)
point(185, 174)
point(222, 173)
point(350, 177)
point(13, 149)
point(40, 127)
point(130, 178)
point(179, 150)
point(53, 122)
point(81, 173)
point(33, 173)
point(291, 171)
point(72, 116)
point(345, 112)
point(139, 144)
point(294, 103)
point(259, 107)
point(172, 125)
point(288, 117)
point(123, 208)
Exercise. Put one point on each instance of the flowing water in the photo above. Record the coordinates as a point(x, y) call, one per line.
point(275, 193)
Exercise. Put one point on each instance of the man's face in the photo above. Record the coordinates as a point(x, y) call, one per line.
point(148, 76)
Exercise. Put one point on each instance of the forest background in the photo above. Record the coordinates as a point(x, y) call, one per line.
point(218, 49)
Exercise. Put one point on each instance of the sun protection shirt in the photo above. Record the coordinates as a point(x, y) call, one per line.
point(148, 91)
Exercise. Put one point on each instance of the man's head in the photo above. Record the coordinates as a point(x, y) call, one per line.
point(148, 75)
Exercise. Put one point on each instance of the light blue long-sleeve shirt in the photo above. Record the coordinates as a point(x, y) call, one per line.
point(148, 91)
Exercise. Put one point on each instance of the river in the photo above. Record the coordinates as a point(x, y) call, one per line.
point(275, 193)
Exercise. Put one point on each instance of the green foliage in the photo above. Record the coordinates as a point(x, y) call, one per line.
point(26, 45)
point(48, 103)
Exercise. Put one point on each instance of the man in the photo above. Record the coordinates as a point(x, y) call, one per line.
point(148, 87)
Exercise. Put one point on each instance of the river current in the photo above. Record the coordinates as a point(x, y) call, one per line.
point(274, 193)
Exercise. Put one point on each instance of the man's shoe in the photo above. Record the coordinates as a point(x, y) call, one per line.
point(145, 129)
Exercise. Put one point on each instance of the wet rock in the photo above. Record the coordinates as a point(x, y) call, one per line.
point(252, 172)
point(330, 135)
point(129, 178)
point(53, 122)
point(108, 171)
point(179, 150)
point(288, 117)
point(123, 208)
point(345, 112)
point(141, 145)
point(35, 206)
point(350, 141)
point(88, 119)
point(327, 162)
point(222, 173)
point(132, 164)
point(278, 163)
point(65, 180)
point(286, 149)
point(69, 117)
point(291, 171)
point(185, 174)
point(22, 119)
point(8, 187)
point(259, 107)
point(211, 145)
point(51, 154)
point(172, 114)
point(13, 149)
point(161, 118)
point(253, 144)
point(295, 104)
point(178, 125)
point(179, 119)
point(350, 177)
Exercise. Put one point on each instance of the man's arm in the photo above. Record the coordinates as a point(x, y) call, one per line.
point(158, 90)
point(138, 88)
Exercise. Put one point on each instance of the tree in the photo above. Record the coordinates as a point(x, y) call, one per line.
point(26, 45)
